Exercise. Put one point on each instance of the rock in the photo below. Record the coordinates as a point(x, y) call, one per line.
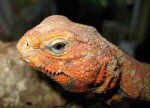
point(21, 86)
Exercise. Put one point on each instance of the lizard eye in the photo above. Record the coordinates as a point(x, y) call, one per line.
point(58, 46)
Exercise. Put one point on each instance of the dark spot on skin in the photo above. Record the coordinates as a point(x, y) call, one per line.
point(116, 68)
point(29, 103)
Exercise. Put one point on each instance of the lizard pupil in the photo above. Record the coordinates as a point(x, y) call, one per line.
point(59, 46)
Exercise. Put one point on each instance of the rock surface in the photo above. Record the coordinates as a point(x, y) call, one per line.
point(21, 86)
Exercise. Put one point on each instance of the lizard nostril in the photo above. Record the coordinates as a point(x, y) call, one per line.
point(26, 44)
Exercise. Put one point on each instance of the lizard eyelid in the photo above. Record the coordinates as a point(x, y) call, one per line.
point(58, 46)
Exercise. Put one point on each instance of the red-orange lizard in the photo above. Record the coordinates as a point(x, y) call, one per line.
point(81, 60)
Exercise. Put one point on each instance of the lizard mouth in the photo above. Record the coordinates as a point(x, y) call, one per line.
point(49, 73)
point(54, 73)
point(60, 77)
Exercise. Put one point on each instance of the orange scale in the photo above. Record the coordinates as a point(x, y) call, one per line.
point(84, 60)
point(82, 76)
point(46, 69)
point(82, 66)
point(77, 55)
point(87, 68)
point(84, 52)
point(67, 67)
point(92, 60)
point(78, 64)
point(82, 71)
point(87, 74)
point(62, 79)
point(51, 68)
point(91, 66)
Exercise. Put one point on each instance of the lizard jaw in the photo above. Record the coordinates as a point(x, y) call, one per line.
point(54, 73)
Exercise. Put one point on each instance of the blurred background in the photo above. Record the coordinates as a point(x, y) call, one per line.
point(123, 22)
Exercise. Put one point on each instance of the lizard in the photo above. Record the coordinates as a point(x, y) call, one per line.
point(78, 58)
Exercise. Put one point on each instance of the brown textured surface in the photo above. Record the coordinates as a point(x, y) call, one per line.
point(89, 62)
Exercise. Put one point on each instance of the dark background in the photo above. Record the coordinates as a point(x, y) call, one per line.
point(123, 22)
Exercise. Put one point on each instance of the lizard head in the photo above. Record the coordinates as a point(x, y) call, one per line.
point(66, 51)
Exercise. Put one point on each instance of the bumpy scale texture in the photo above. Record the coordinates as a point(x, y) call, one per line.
point(81, 60)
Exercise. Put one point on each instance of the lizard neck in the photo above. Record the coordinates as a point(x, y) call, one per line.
point(132, 75)
point(135, 78)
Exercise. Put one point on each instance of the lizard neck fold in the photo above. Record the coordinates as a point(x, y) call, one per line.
point(110, 71)
point(135, 79)
point(120, 68)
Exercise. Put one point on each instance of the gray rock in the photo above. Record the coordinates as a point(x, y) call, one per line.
point(20, 86)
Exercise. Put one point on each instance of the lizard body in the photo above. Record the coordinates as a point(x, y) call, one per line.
point(81, 60)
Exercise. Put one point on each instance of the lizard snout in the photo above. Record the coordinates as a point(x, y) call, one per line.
point(23, 44)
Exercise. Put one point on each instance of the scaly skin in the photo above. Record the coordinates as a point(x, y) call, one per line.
point(81, 60)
